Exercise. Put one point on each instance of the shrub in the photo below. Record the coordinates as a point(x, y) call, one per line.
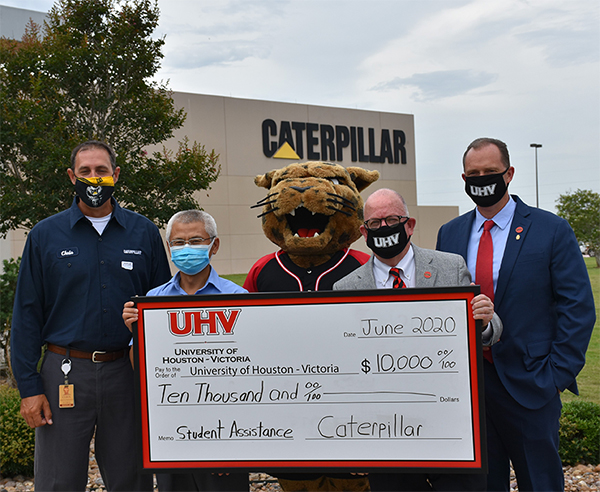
point(8, 285)
point(580, 433)
point(17, 439)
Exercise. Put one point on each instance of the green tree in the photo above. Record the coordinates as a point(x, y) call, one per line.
point(8, 285)
point(87, 74)
point(582, 210)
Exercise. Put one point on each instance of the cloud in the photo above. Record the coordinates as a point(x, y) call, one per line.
point(439, 84)
point(564, 47)
point(207, 53)
point(202, 34)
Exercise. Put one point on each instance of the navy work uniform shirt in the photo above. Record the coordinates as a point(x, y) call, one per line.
point(73, 283)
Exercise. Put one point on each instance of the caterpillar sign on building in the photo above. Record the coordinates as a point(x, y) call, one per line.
point(289, 140)
point(253, 137)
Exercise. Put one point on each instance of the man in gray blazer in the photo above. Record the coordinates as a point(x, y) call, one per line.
point(396, 263)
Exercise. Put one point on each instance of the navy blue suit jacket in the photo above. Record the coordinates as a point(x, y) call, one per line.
point(544, 299)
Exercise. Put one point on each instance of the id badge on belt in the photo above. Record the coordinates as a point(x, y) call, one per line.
point(66, 392)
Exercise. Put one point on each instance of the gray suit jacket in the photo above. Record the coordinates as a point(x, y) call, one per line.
point(432, 269)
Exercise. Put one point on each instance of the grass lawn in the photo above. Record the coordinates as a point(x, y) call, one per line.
point(237, 278)
point(589, 378)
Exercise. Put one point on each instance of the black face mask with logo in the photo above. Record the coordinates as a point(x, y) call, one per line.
point(486, 190)
point(388, 242)
point(94, 192)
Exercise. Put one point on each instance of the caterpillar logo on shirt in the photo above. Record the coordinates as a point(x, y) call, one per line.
point(322, 142)
point(132, 252)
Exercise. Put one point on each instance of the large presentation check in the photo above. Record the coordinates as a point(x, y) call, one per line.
point(360, 380)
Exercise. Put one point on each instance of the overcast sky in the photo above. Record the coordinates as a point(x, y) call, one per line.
point(522, 71)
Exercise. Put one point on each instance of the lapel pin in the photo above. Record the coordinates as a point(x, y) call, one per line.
point(427, 275)
point(519, 229)
point(518, 236)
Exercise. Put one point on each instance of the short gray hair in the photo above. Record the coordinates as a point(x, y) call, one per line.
point(189, 216)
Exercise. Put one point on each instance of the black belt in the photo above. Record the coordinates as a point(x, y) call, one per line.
point(96, 356)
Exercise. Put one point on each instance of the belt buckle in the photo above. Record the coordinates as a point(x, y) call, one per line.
point(94, 355)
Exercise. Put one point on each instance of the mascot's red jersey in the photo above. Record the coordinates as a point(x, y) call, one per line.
point(276, 272)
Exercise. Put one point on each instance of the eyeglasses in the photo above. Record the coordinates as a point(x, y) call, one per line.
point(390, 220)
point(195, 241)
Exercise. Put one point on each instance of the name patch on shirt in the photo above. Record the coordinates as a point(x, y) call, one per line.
point(132, 251)
point(127, 265)
point(67, 252)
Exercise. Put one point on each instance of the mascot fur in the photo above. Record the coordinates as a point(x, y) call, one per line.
point(313, 212)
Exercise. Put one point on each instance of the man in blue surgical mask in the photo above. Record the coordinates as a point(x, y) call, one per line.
point(192, 241)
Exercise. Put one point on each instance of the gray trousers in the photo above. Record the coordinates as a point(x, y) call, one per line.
point(104, 403)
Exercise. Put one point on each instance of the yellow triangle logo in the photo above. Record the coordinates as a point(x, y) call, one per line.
point(286, 152)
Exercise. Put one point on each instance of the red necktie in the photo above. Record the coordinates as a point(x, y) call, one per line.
point(398, 282)
point(484, 271)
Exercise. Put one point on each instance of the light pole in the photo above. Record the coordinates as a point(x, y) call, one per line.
point(537, 195)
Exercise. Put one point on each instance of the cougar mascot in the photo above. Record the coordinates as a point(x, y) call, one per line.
point(313, 212)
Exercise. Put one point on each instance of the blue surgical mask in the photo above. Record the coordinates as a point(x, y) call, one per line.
point(191, 259)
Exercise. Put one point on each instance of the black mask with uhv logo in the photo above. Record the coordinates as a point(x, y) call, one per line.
point(388, 242)
point(486, 190)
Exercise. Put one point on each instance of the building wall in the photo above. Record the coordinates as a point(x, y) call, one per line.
point(13, 21)
point(234, 129)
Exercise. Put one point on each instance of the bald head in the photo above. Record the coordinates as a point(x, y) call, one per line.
point(388, 199)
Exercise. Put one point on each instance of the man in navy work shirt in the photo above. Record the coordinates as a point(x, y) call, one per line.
point(192, 241)
point(78, 268)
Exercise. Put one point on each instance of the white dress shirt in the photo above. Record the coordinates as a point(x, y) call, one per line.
point(406, 265)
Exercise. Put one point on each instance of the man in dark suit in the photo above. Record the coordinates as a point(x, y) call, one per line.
point(542, 293)
point(396, 263)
